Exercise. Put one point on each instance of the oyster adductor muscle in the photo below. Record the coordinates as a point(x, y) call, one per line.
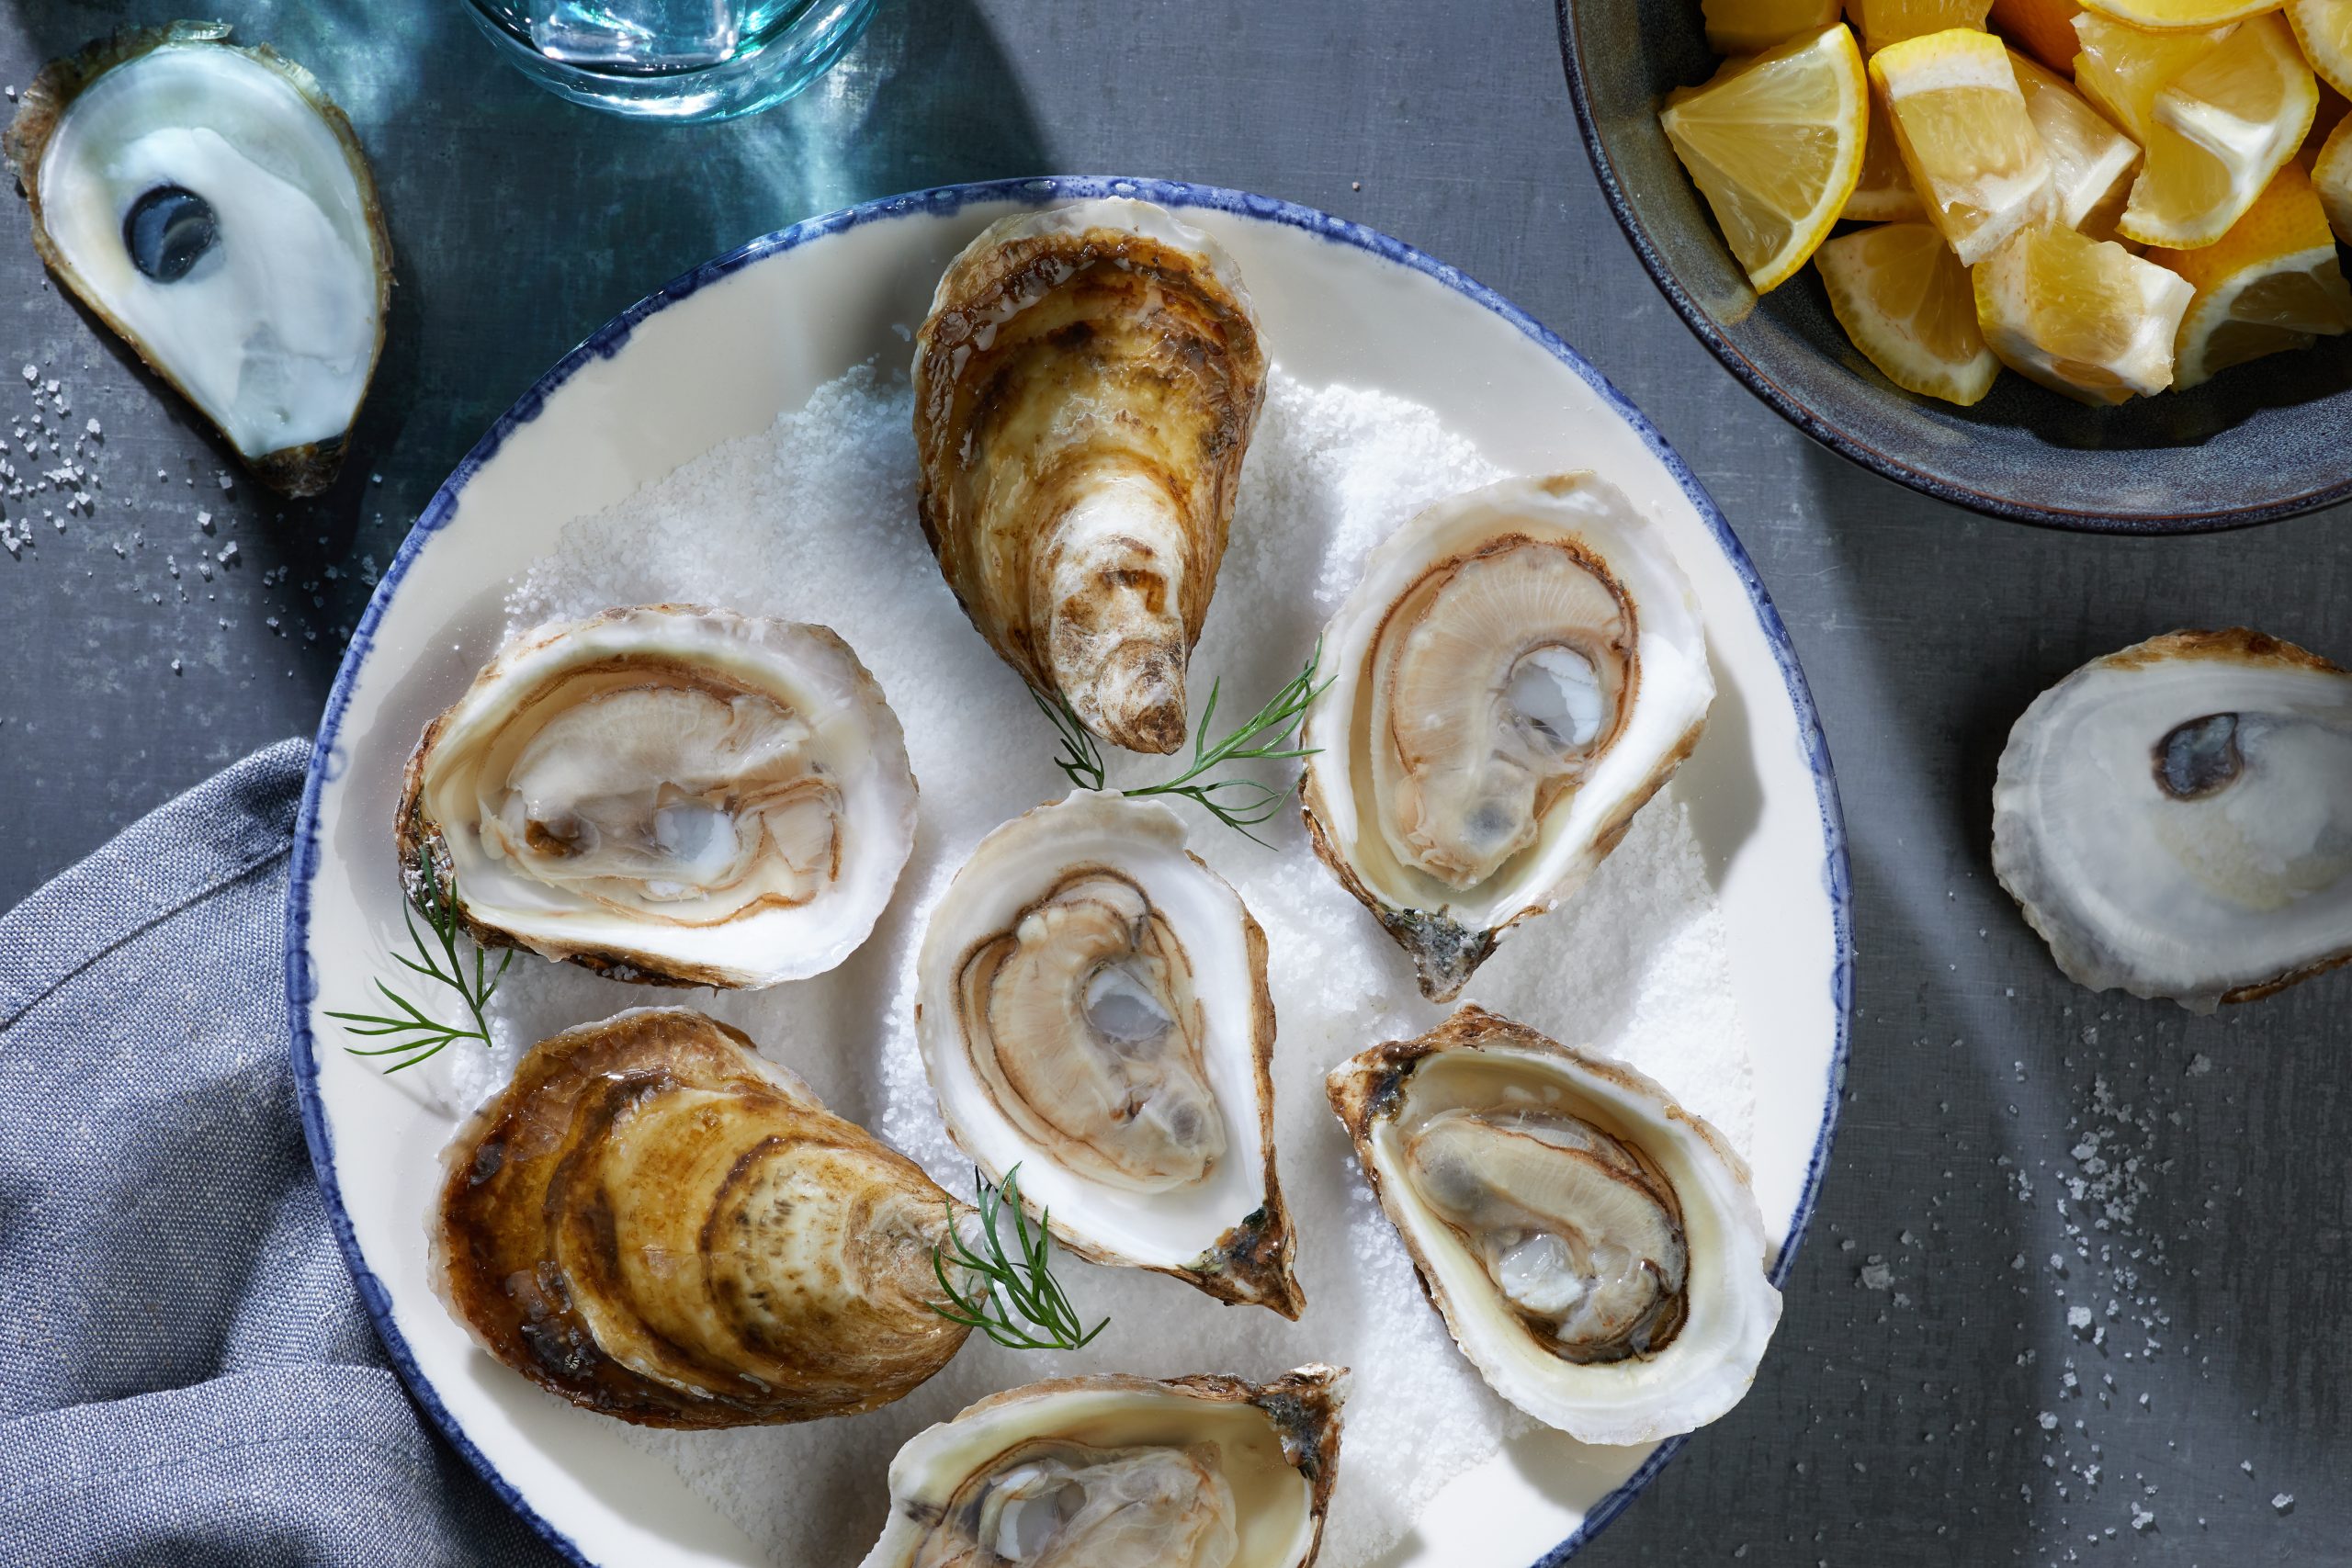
point(212, 207)
point(1085, 386)
point(656, 1224)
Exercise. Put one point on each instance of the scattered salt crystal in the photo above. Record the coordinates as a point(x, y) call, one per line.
point(2078, 1317)
point(175, 666)
point(2284, 1502)
point(225, 482)
point(93, 428)
point(2049, 1423)
point(32, 375)
point(1877, 1275)
point(204, 521)
point(228, 552)
point(2199, 1065)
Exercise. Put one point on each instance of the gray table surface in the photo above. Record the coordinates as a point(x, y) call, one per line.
point(2012, 1148)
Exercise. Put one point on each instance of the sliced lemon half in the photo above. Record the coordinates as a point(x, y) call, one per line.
point(2121, 69)
point(1775, 145)
point(2323, 29)
point(2090, 161)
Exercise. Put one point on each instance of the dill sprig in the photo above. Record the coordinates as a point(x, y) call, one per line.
point(421, 1035)
point(1270, 735)
point(1019, 1282)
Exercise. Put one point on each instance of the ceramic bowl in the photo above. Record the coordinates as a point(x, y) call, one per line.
point(2264, 440)
point(717, 354)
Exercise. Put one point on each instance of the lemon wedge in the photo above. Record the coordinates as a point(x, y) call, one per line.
point(2083, 317)
point(1750, 27)
point(2165, 16)
point(2223, 127)
point(2121, 69)
point(1775, 145)
point(2044, 28)
point(1905, 300)
point(2324, 30)
point(2271, 284)
point(1890, 21)
point(2090, 161)
point(1885, 193)
point(2332, 176)
point(1961, 122)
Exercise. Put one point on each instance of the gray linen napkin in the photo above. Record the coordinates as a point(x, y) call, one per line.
point(186, 1377)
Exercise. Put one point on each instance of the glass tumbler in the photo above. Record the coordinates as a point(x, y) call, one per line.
point(683, 60)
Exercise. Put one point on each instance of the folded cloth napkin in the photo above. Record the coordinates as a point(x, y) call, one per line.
point(186, 1377)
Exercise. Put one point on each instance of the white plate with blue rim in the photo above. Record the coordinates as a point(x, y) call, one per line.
point(718, 354)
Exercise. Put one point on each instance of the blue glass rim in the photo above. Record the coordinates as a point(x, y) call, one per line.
point(946, 201)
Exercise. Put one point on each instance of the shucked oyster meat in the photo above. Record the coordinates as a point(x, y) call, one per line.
point(1084, 389)
point(668, 794)
point(1091, 1007)
point(213, 208)
point(656, 1224)
point(1593, 1246)
point(1121, 1472)
point(1519, 669)
point(2176, 819)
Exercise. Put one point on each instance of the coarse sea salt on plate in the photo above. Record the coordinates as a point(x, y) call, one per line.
point(814, 520)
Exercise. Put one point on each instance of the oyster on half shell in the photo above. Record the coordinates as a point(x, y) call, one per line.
point(1121, 1472)
point(213, 208)
point(656, 1224)
point(1519, 669)
point(1593, 1247)
point(2176, 819)
point(667, 793)
point(1091, 1007)
point(1084, 389)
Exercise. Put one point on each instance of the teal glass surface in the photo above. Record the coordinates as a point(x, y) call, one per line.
point(683, 60)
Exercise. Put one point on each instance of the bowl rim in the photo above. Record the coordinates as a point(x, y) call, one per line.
point(324, 767)
point(1782, 401)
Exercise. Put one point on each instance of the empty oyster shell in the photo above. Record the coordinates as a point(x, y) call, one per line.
point(1121, 1472)
point(656, 1224)
point(667, 793)
point(1084, 388)
point(1593, 1246)
point(2176, 819)
point(1091, 1005)
point(1521, 668)
point(212, 207)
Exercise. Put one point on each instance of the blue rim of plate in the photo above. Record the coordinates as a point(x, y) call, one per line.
point(946, 201)
point(1770, 393)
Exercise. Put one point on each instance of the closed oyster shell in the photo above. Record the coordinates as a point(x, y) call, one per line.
point(1085, 386)
point(1519, 669)
point(1092, 1006)
point(656, 1224)
point(2176, 819)
point(666, 794)
point(1593, 1247)
point(269, 320)
point(1123, 1472)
